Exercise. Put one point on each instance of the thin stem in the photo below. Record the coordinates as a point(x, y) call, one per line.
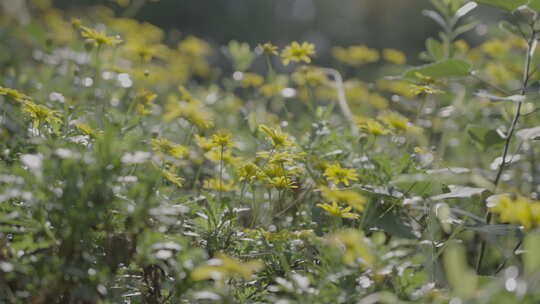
point(531, 45)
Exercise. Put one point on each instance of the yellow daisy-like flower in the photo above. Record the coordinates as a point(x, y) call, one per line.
point(268, 48)
point(424, 90)
point(14, 94)
point(41, 114)
point(166, 146)
point(86, 129)
point(278, 138)
point(298, 52)
point(223, 139)
point(352, 198)
point(169, 175)
point(372, 126)
point(97, 37)
point(334, 210)
point(395, 121)
point(248, 172)
point(217, 185)
point(394, 56)
point(281, 182)
point(337, 174)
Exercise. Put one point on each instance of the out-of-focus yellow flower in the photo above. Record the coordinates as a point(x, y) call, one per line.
point(278, 138)
point(87, 130)
point(195, 113)
point(496, 47)
point(355, 55)
point(248, 172)
point(204, 143)
point(298, 52)
point(169, 175)
point(394, 56)
point(395, 121)
point(224, 267)
point(99, 38)
point(215, 155)
point(371, 126)
point(252, 80)
point(194, 46)
point(275, 87)
point(309, 75)
point(163, 145)
point(223, 139)
point(520, 211)
point(144, 101)
point(14, 94)
point(268, 48)
point(398, 87)
point(335, 210)
point(219, 185)
point(355, 246)
point(281, 182)
point(424, 90)
point(337, 174)
point(351, 198)
point(41, 114)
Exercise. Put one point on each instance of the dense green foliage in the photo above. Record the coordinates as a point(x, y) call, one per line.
point(133, 169)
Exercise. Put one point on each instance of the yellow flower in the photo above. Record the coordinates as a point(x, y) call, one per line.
point(223, 267)
point(41, 114)
point(298, 52)
point(204, 143)
point(14, 94)
point(278, 138)
point(252, 80)
point(86, 129)
point(355, 246)
point(193, 112)
point(520, 211)
point(281, 182)
point(268, 48)
point(166, 146)
point(223, 139)
point(337, 211)
point(195, 47)
point(216, 156)
point(394, 56)
point(424, 90)
point(308, 75)
point(144, 100)
point(248, 172)
point(217, 185)
point(169, 175)
point(395, 121)
point(371, 126)
point(352, 198)
point(97, 37)
point(355, 55)
point(337, 174)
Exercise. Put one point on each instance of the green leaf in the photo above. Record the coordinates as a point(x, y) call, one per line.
point(484, 138)
point(535, 5)
point(461, 278)
point(531, 257)
point(435, 49)
point(443, 69)
point(508, 5)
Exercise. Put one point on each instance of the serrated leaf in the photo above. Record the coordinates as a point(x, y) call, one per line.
point(449, 68)
point(484, 138)
point(508, 5)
